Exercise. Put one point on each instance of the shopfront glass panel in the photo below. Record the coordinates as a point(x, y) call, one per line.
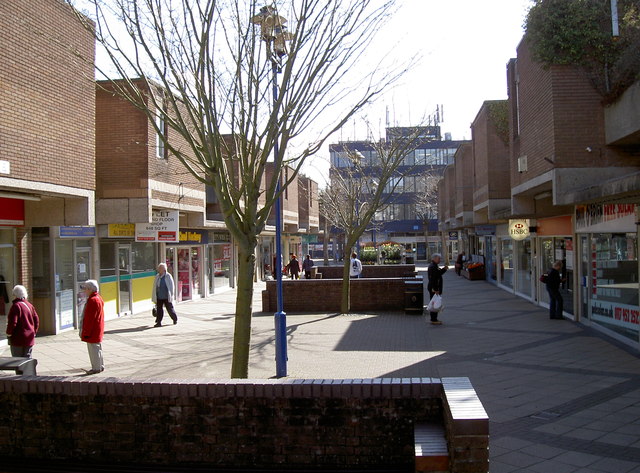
point(124, 279)
point(614, 302)
point(585, 259)
point(491, 258)
point(7, 269)
point(546, 261)
point(524, 267)
point(143, 258)
point(195, 270)
point(184, 273)
point(222, 264)
point(506, 265)
point(64, 283)
point(564, 252)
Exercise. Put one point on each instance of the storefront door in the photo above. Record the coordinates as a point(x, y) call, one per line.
point(7, 269)
point(83, 272)
point(524, 269)
point(584, 276)
point(124, 279)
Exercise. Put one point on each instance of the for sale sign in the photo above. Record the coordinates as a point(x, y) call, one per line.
point(164, 227)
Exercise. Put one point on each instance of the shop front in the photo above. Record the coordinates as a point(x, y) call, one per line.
point(127, 270)
point(487, 246)
point(515, 254)
point(62, 259)
point(555, 243)
point(220, 264)
point(608, 269)
point(11, 218)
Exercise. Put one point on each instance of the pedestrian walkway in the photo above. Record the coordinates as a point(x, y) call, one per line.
point(561, 398)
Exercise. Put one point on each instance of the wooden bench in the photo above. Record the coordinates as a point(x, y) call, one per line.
point(22, 366)
point(431, 452)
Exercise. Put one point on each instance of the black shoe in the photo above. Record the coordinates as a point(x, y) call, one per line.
point(158, 325)
point(175, 321)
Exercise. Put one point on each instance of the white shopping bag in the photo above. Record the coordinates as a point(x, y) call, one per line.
point(435, 304)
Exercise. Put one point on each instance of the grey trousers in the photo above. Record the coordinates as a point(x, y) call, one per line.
point(23, 352)
point(95, 355)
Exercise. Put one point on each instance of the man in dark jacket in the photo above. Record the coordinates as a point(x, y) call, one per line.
point(435, 283)
point(553, 282)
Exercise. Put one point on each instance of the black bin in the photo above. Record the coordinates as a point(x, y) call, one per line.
point(413, 297)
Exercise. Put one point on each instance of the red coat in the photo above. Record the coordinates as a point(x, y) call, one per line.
point(93, 319)
point(22, 324)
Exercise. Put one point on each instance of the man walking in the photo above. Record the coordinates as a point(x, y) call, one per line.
point(355, 268)
point(162, 294)
point(434, 272)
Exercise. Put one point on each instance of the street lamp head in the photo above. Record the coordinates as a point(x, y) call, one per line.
point(273, 29)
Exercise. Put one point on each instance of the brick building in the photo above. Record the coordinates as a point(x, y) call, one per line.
point(47, 173)
point(570, 176)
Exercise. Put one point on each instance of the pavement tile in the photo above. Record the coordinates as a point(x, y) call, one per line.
point(577, 459)
point(518, 459)
point(549, 466)
point(585, 434)
point(613, 465)
point(542, 451)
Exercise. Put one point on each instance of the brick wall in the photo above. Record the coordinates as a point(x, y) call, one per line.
point(561, 115)
point(490, 158)
point(463, 170)
point(372, 271)
point(324, 295)
point(284, 424)
point(47, 102)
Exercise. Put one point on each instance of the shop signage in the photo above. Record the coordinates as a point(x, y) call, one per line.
point(453, 236)
point(519, 229)
point(121, 230)
point(221, 236)
point(605, 218)
point(11, 212)
point(163, 227)
point(5, 167)
point(195, 237)
point(309, 239)
point(621, 315)
point(485, 230)
point(77, 232)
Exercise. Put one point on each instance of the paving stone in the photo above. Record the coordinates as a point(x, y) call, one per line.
point(576, 459)
point(613, 465)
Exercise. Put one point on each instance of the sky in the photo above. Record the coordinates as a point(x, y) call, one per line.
point(464, 47)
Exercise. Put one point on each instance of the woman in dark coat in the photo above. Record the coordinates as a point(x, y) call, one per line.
point(434, 286)
point(459, 263)
point(22, 324)
point(553, 282)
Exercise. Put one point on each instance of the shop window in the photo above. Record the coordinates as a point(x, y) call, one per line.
point(506, 264)
point(143, 256)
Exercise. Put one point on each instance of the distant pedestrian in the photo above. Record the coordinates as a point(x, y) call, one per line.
point(22, 324)
point(355, 268)
point(307, 264)
point(434, 286)
point(163, 294)
point(459, 263)
point(553, 282)
point(92, 325)
point(294, 267)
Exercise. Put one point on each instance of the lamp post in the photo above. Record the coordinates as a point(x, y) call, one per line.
point(274, 33)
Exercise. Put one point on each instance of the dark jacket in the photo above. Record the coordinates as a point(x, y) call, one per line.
point(294, 266)
point(307, 264)
point(93, 319)
point(22, 324)
point(553, 280)
point(435, 277)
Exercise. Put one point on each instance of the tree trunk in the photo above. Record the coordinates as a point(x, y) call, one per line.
point(244, 311)
point(345, 305)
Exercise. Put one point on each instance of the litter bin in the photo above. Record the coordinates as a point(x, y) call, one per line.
point(413, 297)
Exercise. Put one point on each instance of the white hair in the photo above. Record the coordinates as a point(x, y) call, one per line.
point(91, 284)
point(164, 265)
point(20, 292)
point(435, 255)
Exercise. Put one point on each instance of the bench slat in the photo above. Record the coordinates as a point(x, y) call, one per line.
point(431, 452)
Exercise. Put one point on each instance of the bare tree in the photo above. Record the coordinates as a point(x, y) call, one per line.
point(358, 190)
point(207, 75)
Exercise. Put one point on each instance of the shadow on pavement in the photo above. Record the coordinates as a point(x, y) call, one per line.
point(129, 330)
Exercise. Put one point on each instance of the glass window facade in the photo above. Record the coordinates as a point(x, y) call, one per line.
point(506, 262)
point(614, 286)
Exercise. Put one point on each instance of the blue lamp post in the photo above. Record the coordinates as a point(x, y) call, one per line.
point(274, 33)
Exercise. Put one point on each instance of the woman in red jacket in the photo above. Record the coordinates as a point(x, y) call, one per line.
point(22, 324)
point(92, 325)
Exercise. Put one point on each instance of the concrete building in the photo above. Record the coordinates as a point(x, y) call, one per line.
point(402, 220)
point(47, 148)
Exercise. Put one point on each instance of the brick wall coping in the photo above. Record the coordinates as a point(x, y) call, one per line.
point(395, 388)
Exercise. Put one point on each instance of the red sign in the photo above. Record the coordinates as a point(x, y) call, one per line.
point(11, 212)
